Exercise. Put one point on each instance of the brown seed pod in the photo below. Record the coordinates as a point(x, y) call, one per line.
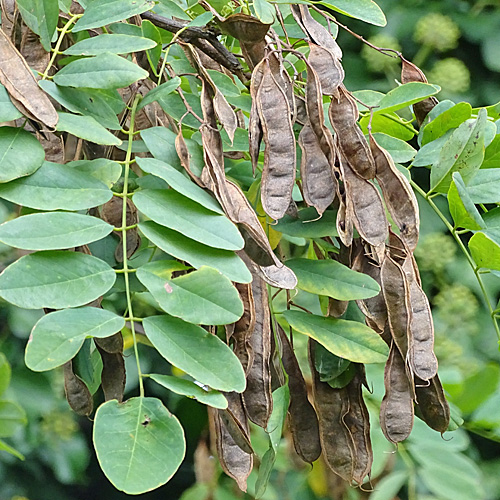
point(398, 195)
point(331, 407)
point(278, 174)
point(318, 182)
point(302, 417)
point(432, 404)
point(343, 113)
point(235, 421)
point(77, 393)
point(412, 73)
point(244, 327)
point(112, 344)
point(113, 374)
point(396, 409)
point(254, 125)
point(328, 67)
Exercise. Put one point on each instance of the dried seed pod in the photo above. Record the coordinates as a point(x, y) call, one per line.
point(113, 374)
point(18, 79)
point(318, 182)
point(328, 67)
point(432, 404)
point(278, 175)
point(345, 218)
point(257, 397)
point(398, 195)
point(254, 125)
point(234, 419)
point(357, 421)
point(368, 209)
point(396, 409)
point(278, 276)
point(343, 113)
point(244, 327)
point(302, 417)
point(112, 344)
point(331, 407)
point(396, 292)
point(183, 154)
point(77, 393)
point(412, 73)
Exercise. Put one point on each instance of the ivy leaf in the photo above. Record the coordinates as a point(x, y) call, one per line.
point(112, 43)
point(57, 337)
point(139, 444)
point(202, 297)
point(462, 208)
point(175, 211)
point(347, 339)
point(197, 352)
point(333, 279)
point(191, 389)
point(197, 254)
point(101, 12)
point(55, 279)
point(20, 154)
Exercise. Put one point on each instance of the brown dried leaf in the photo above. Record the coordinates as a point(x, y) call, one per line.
point(16, 76)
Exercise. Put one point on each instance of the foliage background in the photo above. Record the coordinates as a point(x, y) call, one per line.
point(60, 462)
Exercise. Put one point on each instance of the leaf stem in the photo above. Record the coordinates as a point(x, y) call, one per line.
point(470, 260)
point(55, 51)
point(125, 269)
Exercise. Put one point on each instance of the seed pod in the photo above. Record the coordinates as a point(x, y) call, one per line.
point(112, 344)
point(368, 209)
point(432, 404)
point(278, 276)
point(77, 393)
point(318, 182)
point(357, 421)
point(412, 73)
point(278, 175)
point(244, 327)
point(257, 397)
point(345, 217)
point(235, 421)
point(18, 79)
point(395, 289)
point(183, 154)
point(396, 409)
point(254, 124)
point(302, 417)
point(398, 195)
point(113, 375)
point(343, 113)
point(328, 67)
point(336, 440)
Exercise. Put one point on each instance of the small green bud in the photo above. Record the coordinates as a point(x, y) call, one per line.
point(451, 74)
point(435, 251)
point(437, 31)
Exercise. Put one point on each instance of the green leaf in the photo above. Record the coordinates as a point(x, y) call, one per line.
point(161, 142)
point(171, 209)
point(388, 487)
point(175, 106)
point(8, 111)
point(281, 401)
point(12, 451)
point(99, 13)
point(202, 297)
point(197, 352)
point(56, 187)
point(462, 208)
point(484, 187)
point(492, 154)
point(53, 231)
point(463, 152)
point(89, 102)
point(447, 120)
point(105, 71)
point(5, 373)
point(201, 20)
point(429, 154)
point(11, 417)
point(400, 151)
point(265, 469)
point(191, 390)
point(365, 10)
point(308, 225)
point(86, 128)
point(107, 171)
point(139, 444)
point(20, 153)
point(161, 91)
point(346, 339)
point(197, 254)
point(179, 182)
point(112, 43)
point(485, 252)
point(57, 337)
point(55, 279)
point(224, 83)
point(151, 32)
point(264, 11)
point(392, 125)
point(329, 366)
point(331, 278)
point(41, 16)
point(405, 95)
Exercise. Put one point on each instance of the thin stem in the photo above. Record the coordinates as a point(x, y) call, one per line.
point(125, 269)
point(167, 51)
point(405, 124)
point(470, 260)
point(408, 461)
point(55, 51)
